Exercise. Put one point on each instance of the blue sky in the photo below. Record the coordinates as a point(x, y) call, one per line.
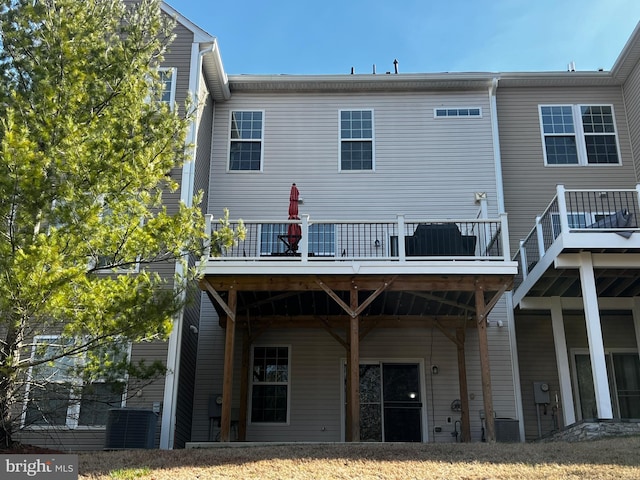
point(426, 36)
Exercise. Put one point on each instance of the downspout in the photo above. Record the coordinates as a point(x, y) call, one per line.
point(497, 160)
point(168, 421)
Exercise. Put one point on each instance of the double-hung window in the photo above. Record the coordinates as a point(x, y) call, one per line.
point(245, 149)
point(57, 397)
point(579, 134)
point(270, 385)
point(356, 140)
point(167, 85)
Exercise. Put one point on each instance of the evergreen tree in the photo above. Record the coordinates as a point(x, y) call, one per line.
point(86, 155)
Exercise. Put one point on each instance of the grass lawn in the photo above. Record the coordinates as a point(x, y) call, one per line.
point(614, 458)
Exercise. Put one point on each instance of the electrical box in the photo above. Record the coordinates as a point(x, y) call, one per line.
point(541, 393)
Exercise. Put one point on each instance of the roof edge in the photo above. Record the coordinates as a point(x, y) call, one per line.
point(199, 35)
point(625, 54)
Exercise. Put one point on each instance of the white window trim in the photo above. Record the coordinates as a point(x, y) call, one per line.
point(372, 139)
point(230, 141)
point(453, 117)
point(174, 75)
point(251, 383)
point(579, 135)
point(73, 409)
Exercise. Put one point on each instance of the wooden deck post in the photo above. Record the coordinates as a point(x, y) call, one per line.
point(485, 370)
point(244, 387)
point(465, 427)
point(354, 371)
point(227, 382)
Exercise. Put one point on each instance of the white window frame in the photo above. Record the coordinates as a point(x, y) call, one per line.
point(74, 401)
point(579, 135)
point(245, 140)
point(458, 110)
point(372, 140)
point(172, 93)
point(252, 382)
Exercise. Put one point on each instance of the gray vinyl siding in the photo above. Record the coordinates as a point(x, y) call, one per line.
point(529, 186)
point(631, 91)
point(209, 369)
point(316, 399)
point(424, 167)
point(203, 152)
point(536, 352)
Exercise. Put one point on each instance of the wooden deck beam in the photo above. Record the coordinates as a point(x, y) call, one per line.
point(363, 283)
point(227, 382)
point(485, 370)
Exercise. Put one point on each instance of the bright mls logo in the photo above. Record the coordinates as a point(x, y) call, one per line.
point(57, 467)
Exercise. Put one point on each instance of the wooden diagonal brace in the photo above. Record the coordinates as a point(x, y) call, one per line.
point(230, 313)
point(447, 334)
point(494, 299)
point(338, 338)
point(374, 295)
point(337, 299)
point(351, 312)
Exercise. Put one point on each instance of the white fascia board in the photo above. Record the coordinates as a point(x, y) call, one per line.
point(629, 53)
point(285, 267)
point(576, 303)
point(600, 260)
point(199, 35)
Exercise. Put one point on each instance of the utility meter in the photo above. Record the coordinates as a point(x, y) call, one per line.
point(541, 393)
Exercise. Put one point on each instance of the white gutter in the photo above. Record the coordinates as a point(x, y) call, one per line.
point(168, 422)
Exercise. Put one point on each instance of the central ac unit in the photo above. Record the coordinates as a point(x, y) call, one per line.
point(130, 428)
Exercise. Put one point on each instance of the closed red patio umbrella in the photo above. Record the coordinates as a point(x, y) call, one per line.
point(294, 232)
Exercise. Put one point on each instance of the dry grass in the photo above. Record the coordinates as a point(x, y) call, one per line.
point(616, 458)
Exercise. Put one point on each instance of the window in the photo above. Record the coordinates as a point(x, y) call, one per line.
point(117, 261)
point(322, 239)
point(270, 385)
point(56, 396)
point(245, 151)
point(168, 82)
point(579, 134)
point(470, 112)
point(623, 371)
point(577, 220)
point(356, 140)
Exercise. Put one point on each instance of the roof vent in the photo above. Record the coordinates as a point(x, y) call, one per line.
point(571, 67)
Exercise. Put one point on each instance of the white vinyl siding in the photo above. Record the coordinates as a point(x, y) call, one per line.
point(415, 159)
point(316, 391)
